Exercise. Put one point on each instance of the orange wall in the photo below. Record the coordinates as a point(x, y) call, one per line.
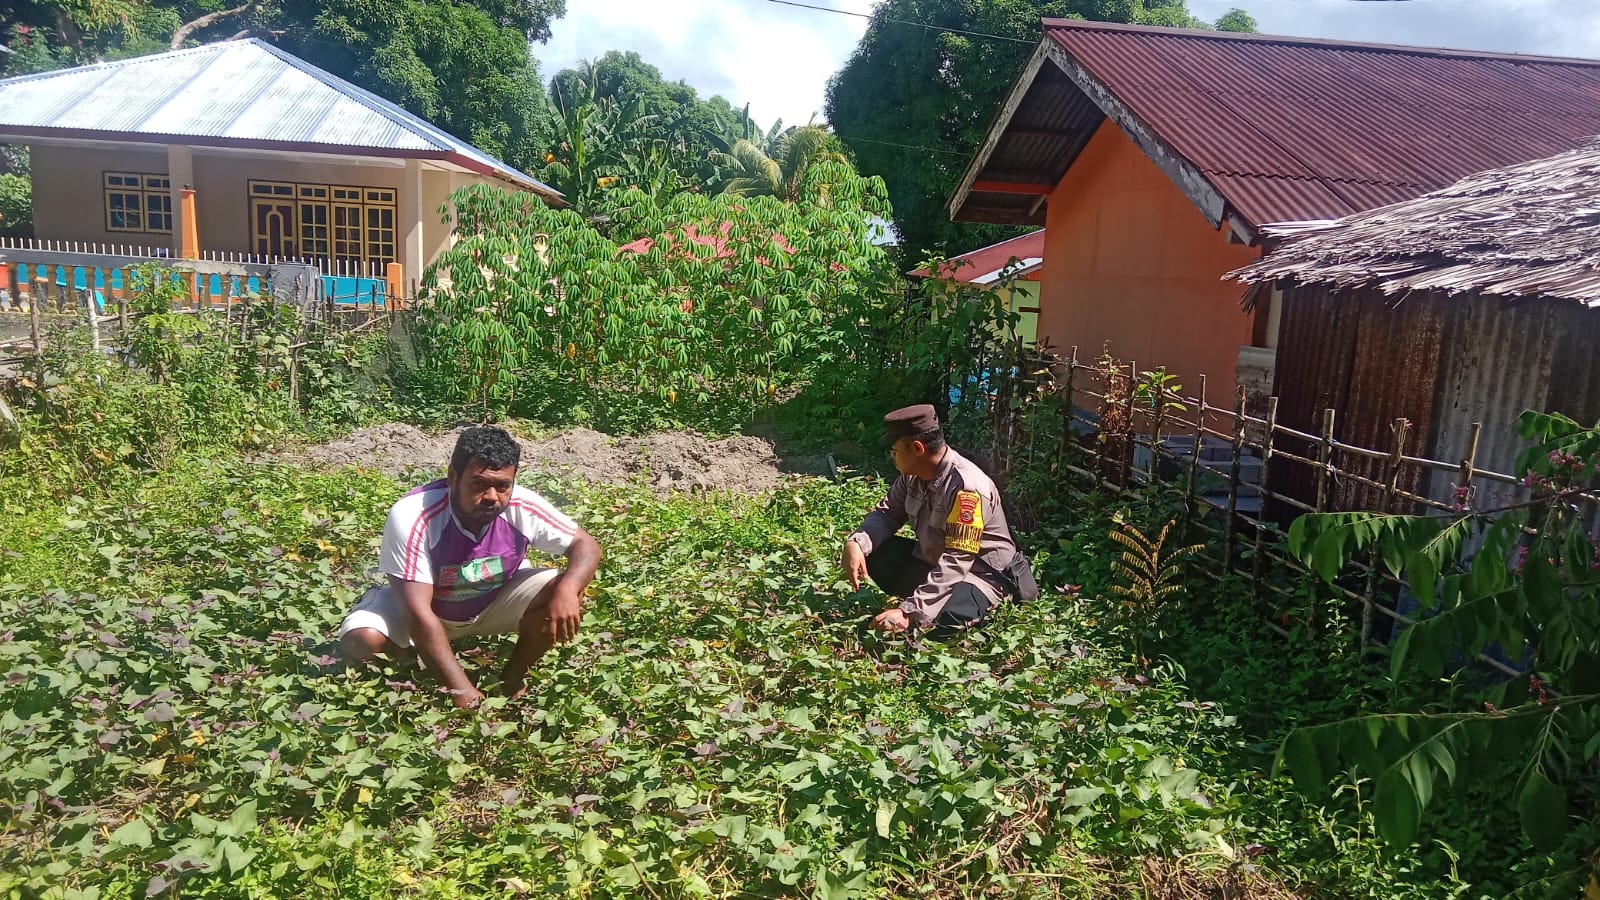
point(1130, 260)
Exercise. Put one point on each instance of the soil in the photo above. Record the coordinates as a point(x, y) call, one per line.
point(668, 461)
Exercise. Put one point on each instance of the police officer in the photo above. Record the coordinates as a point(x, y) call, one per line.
point(963, 562)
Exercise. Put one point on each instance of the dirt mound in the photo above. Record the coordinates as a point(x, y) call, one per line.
point(679, 460)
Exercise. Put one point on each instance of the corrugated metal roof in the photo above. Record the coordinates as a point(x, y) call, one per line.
point(244, 92)
point(983, 265)
point(1291, 128)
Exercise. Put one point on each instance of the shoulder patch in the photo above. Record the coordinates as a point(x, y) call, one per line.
point(964, 527)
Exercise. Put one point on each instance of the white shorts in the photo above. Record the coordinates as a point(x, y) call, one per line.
point(380, 609)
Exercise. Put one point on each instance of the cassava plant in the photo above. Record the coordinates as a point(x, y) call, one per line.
point(1523, 577)
point(699, 299)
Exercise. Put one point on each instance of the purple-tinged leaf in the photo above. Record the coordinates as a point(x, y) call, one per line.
point(706, 749)
point(158, 885)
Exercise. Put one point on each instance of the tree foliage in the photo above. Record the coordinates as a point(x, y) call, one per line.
point(779, 170)
point(913, 104)
point(1522, 579)
point(730, 296)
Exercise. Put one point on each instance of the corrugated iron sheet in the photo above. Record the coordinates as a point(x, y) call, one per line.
point(245, 90)
point(1340, 126)
point(1369, 360)
point(1498, 361)
point(986, 260)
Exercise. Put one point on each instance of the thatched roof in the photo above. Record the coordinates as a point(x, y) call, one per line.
point(1526, 230)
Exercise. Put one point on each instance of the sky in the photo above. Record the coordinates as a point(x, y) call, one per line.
point(778, 58)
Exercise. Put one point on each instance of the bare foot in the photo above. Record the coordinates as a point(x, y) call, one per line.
point(515, 690)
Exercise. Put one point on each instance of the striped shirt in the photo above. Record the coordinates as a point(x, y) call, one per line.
point(422, 541)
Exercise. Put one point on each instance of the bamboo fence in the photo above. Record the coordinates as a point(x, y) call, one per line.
point(1109, 428)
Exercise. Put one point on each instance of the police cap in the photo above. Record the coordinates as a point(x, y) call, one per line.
point(908, 422)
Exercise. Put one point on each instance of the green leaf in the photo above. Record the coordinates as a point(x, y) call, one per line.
point(886, 810)
point(133, 833)
point(1395, 809)
point(1541, 583)
point(1542, 808)
point(1077, 798)
point(1299, 752)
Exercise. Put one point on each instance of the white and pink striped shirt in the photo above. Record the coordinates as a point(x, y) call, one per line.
point(422, 541)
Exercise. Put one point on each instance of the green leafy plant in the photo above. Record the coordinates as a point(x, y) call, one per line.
point(725, 300)
point(1147, 574)
point(1529, 586)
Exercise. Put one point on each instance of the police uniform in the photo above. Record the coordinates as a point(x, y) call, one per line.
point(963, 561)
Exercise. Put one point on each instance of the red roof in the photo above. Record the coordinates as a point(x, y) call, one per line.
point(991, 259)
point(718, 241)
point(1281, 128)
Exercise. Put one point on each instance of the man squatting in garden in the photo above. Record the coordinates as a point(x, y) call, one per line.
point(455, 552)
point(963, 562)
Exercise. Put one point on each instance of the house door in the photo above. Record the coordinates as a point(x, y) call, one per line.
point(274, 226)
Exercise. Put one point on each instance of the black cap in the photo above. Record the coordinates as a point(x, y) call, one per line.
point(908, 422)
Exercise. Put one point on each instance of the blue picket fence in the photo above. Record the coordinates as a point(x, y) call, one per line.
point(343, 289)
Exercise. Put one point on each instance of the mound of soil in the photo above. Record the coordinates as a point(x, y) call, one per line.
point(669, 461)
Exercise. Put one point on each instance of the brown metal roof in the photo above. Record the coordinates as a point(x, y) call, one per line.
point(1270, 129)
point(1531, 229)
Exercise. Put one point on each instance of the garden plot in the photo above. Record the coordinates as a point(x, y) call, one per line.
point(677, 460)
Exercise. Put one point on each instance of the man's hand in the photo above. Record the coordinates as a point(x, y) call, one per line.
point(855, 564)
point(891, 620)
point(466, 699)
point(565, 611)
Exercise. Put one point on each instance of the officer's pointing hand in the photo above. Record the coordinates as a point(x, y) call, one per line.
point(855, 564)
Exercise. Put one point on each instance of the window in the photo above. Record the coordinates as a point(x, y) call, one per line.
point(341, 224)
point(138, 202)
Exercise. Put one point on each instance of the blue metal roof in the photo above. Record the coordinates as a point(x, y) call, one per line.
point(233, 93)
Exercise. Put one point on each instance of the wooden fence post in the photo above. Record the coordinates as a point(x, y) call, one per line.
point(1258, 567)
point(1189, 506)
point(1390, 480)
point(1324, 459)
point(1067, 407)
point(36, 326)
point(1233, 478)
point(1464, 486)
point(93, 321)
point(1126, 461)
point(294, 377)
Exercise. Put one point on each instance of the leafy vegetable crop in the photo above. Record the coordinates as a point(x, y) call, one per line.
point(172, 719)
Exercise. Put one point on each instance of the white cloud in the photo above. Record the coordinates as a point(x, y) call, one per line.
point(1541, 27)
point(778, 58)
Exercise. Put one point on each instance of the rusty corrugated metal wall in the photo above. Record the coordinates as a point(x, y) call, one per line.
point(1372, 361)
point(1503, 357)
point(1442, 362)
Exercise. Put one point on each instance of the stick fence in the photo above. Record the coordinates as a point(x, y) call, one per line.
point(1117, 432)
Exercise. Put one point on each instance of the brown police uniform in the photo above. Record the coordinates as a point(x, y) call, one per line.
point(955, 571)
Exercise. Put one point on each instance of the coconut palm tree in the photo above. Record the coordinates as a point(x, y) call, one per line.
point(780, 169)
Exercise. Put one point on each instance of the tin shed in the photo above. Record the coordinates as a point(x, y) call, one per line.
point(1466, 305)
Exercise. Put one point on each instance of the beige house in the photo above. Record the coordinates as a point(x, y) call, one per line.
point(286, 160)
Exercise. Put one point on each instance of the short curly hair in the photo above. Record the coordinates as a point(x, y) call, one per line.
point(492, 447)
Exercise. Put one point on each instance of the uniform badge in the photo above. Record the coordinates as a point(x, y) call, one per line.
point(964, 526)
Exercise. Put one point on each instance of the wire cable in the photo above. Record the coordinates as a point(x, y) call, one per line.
point(846, 12)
